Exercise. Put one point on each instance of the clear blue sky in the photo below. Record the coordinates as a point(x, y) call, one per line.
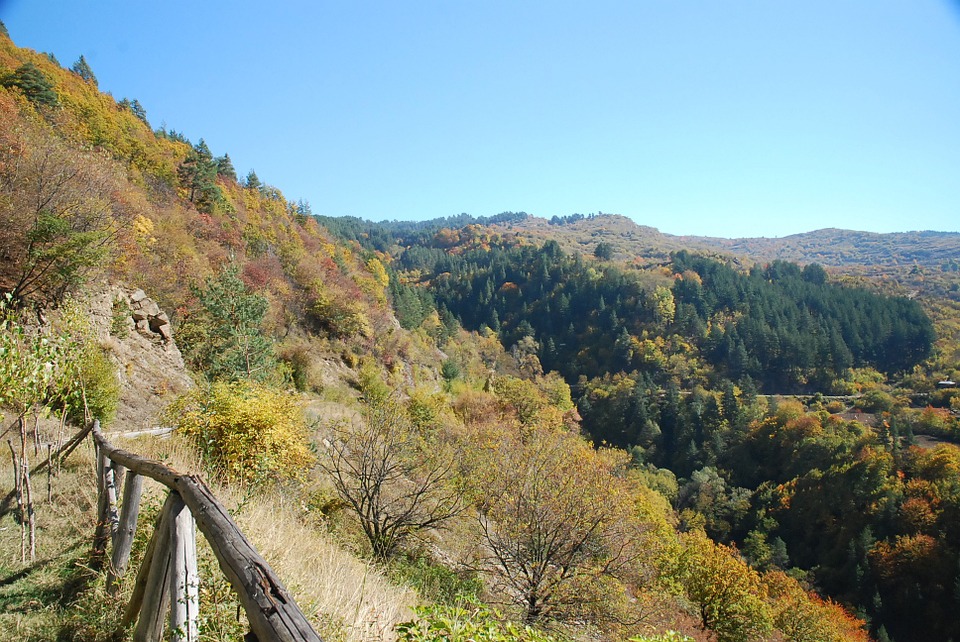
point(723, 118)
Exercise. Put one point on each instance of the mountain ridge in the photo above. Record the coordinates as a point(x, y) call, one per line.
point(833, 247)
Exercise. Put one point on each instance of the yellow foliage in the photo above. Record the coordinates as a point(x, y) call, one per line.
point(339, 316)
point(143, 228)
point(379, 272)
point(245, 430)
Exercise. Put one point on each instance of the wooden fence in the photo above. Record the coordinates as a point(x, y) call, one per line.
point(166, 588)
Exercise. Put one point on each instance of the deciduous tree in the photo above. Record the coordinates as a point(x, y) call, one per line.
point(58, 215)
point(556, 532)
point(395, 482)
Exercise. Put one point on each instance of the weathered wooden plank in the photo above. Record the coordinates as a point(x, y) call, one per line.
point(184, 582)
point(129, 514)
point(113, 515)
point(101, 534)
point(156, 595)
point(143, 575)
point(119, 474)
point(271, 611)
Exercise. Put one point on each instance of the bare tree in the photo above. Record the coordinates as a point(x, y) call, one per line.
point(394, 480)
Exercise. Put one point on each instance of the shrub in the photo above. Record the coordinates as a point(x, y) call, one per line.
point(439, 622)
point(101, 389)
point(246, 431)
point(876, 401)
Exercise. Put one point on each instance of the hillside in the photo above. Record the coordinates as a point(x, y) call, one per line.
point(922, 265)
point(560, 425)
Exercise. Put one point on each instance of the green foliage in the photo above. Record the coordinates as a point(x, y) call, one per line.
point(82, 69)
point(120, 318)
point(438, 623)
point(435, 582)
point(60, 365)
point(728, 594)
point(603, 251)
point(225, 167)
point(98, 384)
point(246, 431)
point(59, 215)
point(136, 109)
point(30, 362)
point(223, 336)
point(819, 326)
point(198, 174)
point(876, 401)
point(34, 84)
point(669, 636)
point(449, 370)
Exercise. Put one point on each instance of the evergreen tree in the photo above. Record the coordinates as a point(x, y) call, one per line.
point(139, 111)
point(252, 181)
point(34, 85)
point(225, 167)
point(82, 69)
point(603, 251)
point(198, 174)
point(224, 336)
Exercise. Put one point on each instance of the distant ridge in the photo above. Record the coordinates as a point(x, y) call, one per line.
point(830, 246)
point(837, 247)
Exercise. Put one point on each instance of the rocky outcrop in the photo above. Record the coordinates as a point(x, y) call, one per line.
point(138, 336)
point(146, 315)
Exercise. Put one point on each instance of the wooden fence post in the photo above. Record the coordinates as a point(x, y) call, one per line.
point(156, 593)
point(107, 518)
point(184, 581)
point(129, 514)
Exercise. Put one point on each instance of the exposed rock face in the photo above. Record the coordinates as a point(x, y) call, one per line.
point(139, 338)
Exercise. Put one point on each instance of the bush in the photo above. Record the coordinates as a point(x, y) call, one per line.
point(476, 623)
point(98, 376)
point(434, 581)
point(876, 401)
point(246, 431)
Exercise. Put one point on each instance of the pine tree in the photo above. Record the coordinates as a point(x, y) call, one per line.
point(198, 174)
point(82, 69)
point(139, 111)
point(225, 167)
point(34, 85)
point(253, 181)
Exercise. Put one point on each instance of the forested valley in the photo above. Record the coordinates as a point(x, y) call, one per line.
point(574, 435)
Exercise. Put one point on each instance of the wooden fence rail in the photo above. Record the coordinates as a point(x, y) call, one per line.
point(167, 584)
